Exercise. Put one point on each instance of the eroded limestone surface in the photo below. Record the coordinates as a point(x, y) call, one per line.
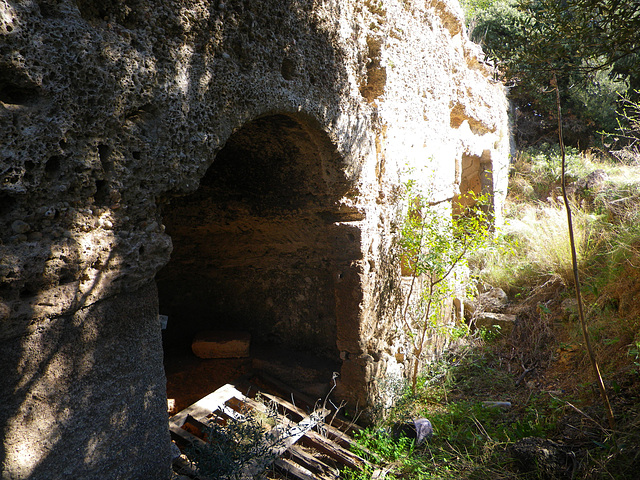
point(264, 144)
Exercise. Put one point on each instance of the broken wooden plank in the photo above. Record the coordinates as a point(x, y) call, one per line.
point(285, 404)
point(240, 401)
point(294, 470)
point(317, 415)
point(199, 425)
point(340, 421)
point(180, 434)
point(344, 424)
point(203, 407)
point(335, 451)
point(325, 430)
point(282, 439)
point(317, 466)
point(337, 435)
point(218, 344)
point(295, 432)
point(320, 414)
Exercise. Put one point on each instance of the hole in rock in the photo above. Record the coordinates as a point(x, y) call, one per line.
point(52, 167)
point(256, 250)
point(104, 153)
point(17, 95)
point(103, 193)
point(16, 88)
point(7, 203)
point(288, 69)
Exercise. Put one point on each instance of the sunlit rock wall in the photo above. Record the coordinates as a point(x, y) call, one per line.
point(439, 119)
point(111, 115)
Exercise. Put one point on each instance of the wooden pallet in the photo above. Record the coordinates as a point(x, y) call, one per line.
point(312, 441)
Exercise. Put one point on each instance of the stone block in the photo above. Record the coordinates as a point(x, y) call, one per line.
point(493, 320)
point(210, 344)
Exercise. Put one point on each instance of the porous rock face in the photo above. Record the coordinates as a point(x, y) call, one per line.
point(264, 142)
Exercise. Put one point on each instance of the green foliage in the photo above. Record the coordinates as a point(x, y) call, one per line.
point(470, 439)
point(473, 8)
point(233, 446)
point(535, 41)
point(434, 243)
point(596, 98)
point(500, 28)
point(634, 352)
point(489, 335)
point(624, 144)
point(604, 31)
point(381, 442)
point(470, 425)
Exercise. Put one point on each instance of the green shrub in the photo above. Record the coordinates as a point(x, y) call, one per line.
point(527, 41)
point(435, 240)
point(233, 445)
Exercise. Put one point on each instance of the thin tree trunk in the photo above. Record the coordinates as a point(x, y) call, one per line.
point(576, 277)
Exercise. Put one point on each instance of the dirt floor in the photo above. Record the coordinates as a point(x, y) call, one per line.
point(190, 378)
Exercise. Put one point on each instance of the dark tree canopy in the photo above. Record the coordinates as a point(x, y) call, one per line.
point(586, 35)
point(591, 46)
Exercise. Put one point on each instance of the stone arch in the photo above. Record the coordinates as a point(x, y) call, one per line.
point(260, 246)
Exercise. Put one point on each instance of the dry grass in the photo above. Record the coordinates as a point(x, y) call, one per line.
point(534, 247)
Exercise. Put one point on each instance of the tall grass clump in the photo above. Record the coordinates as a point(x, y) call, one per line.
point(533, 245)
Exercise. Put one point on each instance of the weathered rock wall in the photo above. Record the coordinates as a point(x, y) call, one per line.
point(112, 117)
point(88, 397)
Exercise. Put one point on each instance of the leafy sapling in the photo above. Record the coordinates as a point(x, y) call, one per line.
point(435, 240)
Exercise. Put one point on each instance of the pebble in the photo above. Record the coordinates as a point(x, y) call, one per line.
point(20, 238)
point(105, 223)
point(493, 404)
point(20, 227)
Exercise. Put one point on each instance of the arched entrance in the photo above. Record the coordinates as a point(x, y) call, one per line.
point(259, 247)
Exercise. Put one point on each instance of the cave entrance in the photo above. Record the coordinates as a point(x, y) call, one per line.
point(258, 248)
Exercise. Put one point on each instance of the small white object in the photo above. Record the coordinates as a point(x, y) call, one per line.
point(496, 404)
point(164, 319)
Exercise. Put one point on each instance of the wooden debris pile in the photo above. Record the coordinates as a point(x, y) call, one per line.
point(300, 439)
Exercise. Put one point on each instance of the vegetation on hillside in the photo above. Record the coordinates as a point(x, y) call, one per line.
point(541, 368)
point(553, 424)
